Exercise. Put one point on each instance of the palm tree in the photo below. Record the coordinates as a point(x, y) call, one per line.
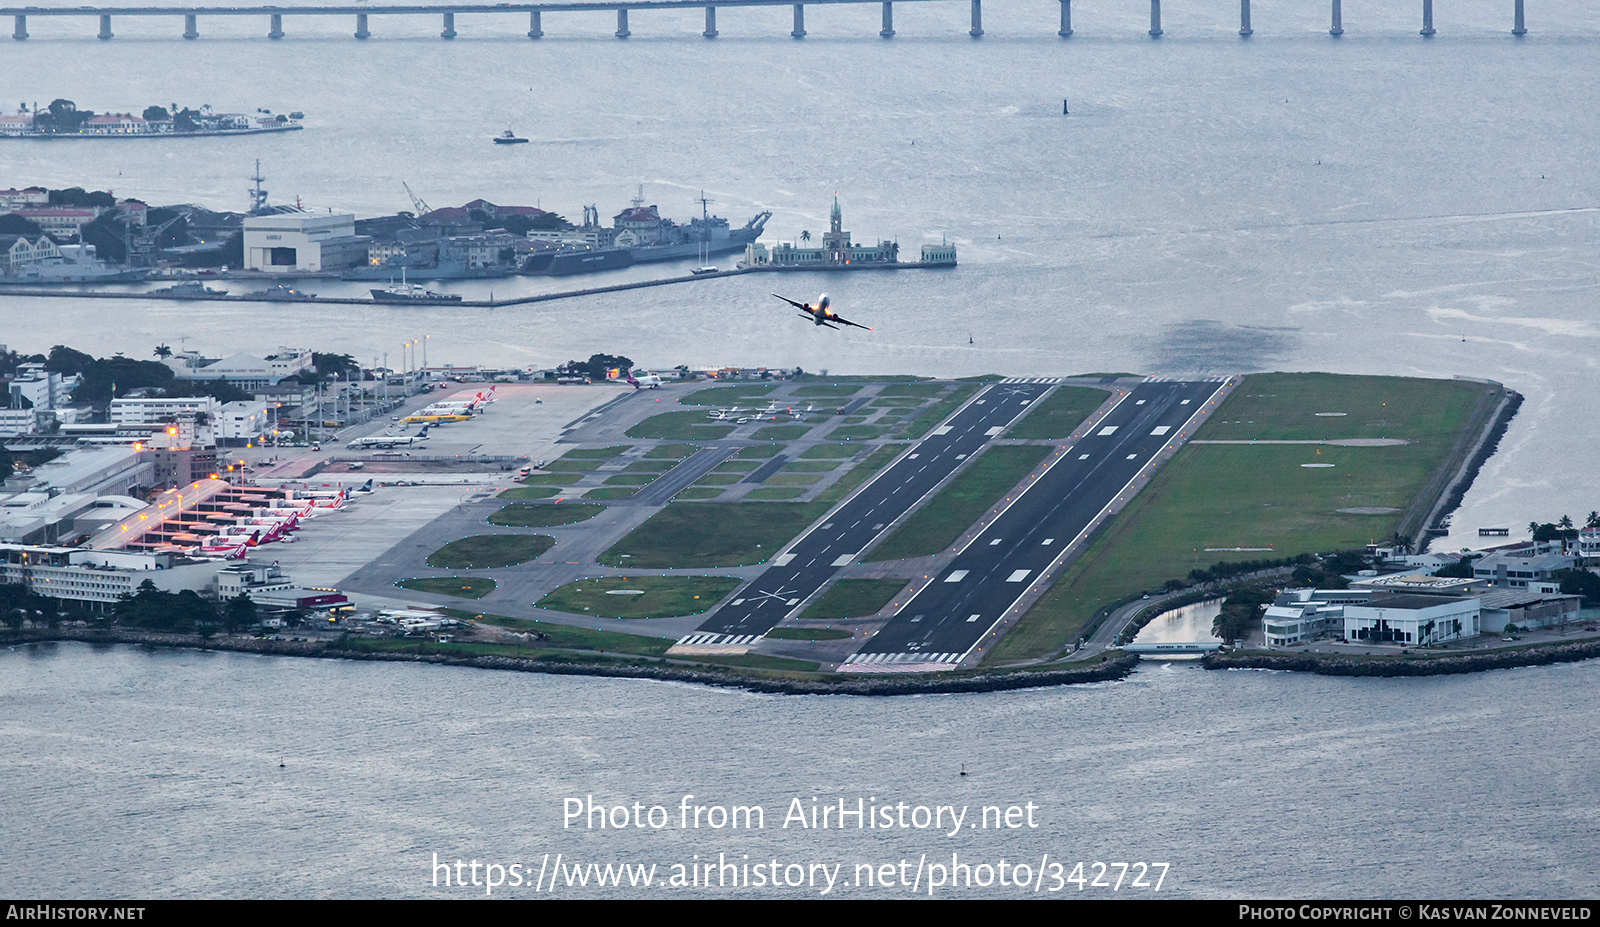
point(805, 236)
point(163, 352)
point(1594, 520)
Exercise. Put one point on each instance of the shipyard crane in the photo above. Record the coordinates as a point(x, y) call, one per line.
point(416, 201)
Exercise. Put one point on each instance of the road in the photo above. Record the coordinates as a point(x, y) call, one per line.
point(958, 609)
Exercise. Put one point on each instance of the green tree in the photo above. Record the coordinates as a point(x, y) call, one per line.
point(239, 613)
point(156, 114)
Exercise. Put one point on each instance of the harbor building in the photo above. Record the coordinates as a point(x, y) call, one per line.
point(303, 243)
point(837, 250)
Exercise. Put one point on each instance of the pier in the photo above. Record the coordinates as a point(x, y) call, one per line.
point(361, 14)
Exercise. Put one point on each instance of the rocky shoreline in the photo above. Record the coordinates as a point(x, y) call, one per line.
point(1541, 655)
point(1115, 666)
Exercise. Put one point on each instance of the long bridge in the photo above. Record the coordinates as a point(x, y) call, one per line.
point(274, 15)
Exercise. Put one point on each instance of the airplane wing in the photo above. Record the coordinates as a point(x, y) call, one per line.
point(843, 320)
point(801, 306)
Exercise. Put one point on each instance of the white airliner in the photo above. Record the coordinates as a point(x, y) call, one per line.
point(639, 378)
point(390, 441)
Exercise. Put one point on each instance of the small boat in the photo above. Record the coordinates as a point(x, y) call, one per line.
point(509, 137)
point(706, 269)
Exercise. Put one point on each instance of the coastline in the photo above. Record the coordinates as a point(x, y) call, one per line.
point(1406, 665)
point(1115, 666)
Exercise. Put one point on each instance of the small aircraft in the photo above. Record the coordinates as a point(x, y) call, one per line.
point(820, 313)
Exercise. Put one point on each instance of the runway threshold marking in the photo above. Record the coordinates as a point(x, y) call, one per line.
point(956, 576)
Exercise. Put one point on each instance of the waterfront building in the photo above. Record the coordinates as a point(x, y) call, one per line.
point(1297, 616)
point(1525, 609)
point(1411, 620)
point(837, 250)
point(485, 249)
point(101, 577)
point(1518, 568)
point(17, 250)
point(303, 243)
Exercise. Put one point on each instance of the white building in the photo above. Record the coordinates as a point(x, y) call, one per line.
point(157, 409)
point(41, 388)
point(1297, 616)
point(242, 422)
point(1411, 620)
point(244, 370)
point(101, 576)
point(303, 242)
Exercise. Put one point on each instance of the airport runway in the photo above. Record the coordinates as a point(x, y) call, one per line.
point(809, 562)
point(956, 610)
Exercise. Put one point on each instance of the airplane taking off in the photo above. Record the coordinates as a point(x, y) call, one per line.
point(820, 313)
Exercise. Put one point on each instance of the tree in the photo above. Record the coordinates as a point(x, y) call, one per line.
point(156, 114)
point(66, 361)
point(239, 613)
point(1593, 521)
point(163, 352)
point(805, 236)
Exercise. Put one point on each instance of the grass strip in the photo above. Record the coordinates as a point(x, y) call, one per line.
point(941, 520)
point(544, 515)
point(489, 551)
point(464, 587)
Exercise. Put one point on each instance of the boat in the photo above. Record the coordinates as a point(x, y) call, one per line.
point(192, 289)
point(666, 240)
point(574, 259)
point(280, 294)
point(75, 264)
point(404, 293)
point(706, 269)
point(509, 137)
